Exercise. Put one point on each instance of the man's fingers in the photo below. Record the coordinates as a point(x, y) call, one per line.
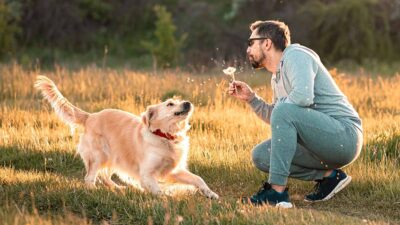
point(233, 90)
point(236, 83)
point(232, 86)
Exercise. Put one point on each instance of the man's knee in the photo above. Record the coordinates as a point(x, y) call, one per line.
point(282, 111)
point(261, 155)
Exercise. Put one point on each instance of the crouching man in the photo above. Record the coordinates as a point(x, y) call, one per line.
point(315, 130)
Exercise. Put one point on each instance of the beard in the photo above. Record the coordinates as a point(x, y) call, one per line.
point(257, 64)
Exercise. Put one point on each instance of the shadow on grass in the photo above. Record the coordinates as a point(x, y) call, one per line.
point(129, 206)
point(60, 162)
point(132, 207)
point(362, 199)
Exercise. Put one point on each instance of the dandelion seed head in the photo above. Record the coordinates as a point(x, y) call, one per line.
point(230, 71)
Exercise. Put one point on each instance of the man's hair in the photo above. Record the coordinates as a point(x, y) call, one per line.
point(275, 30)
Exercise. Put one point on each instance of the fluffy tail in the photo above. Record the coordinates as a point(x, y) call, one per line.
point(69, 113)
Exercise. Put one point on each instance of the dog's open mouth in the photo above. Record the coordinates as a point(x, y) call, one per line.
point(181, 113)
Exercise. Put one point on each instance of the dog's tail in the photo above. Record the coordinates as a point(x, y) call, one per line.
point(69, 113)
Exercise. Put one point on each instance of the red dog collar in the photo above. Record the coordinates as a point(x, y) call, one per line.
point(168, 136)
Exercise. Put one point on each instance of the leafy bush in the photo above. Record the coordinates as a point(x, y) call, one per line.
point(349, 29)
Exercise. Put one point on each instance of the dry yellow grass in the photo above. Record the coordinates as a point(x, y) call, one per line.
point(40, 174)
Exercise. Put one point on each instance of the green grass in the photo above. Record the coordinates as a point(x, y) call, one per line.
point(41, 178)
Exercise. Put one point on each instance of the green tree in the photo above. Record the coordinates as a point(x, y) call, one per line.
point(9, 16)
point(166, 50)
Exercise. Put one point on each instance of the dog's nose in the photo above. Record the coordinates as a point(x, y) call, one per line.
point(186, 105)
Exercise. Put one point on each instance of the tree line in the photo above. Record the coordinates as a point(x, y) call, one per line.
point(188, 32)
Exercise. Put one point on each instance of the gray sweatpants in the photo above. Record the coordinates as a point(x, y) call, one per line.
point(305, 144)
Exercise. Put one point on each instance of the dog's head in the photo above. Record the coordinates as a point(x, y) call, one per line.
point(171, 116)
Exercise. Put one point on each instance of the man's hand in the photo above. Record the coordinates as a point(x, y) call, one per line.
point(241, 91)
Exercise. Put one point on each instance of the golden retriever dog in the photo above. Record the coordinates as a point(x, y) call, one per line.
point(149, 148)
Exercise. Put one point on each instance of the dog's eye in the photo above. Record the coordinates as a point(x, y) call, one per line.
point(170, 104)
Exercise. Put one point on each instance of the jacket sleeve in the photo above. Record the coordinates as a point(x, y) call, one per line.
point(261, 108)
point(300, 70)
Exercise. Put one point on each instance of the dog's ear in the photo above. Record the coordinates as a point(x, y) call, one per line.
point(148, 115)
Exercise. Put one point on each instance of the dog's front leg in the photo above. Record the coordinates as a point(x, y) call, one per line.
point(149, 183)
point(186, 177)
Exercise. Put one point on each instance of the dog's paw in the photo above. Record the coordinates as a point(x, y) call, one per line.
point(209, 194)
point(157, 193)
point(168, 192)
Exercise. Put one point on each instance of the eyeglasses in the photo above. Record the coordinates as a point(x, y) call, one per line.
point(250, 41)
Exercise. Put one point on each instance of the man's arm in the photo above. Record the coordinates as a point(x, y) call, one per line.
point(243, 92)
point(261, 108)
point(300, 70)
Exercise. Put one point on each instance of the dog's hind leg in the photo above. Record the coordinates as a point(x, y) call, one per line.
point(93, 158)
point(92, 170)
point(84, 152)
point(105, 176)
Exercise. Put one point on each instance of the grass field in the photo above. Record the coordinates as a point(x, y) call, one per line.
point(41, 179)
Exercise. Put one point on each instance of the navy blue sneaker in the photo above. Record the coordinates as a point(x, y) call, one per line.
point(267, 195)
point(326, 188)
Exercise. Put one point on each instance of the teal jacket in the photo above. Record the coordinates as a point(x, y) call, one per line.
point(303, 80)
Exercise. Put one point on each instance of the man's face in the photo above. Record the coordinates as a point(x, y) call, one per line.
point(254, 51)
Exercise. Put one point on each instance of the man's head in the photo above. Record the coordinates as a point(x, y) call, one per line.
point(266, 36)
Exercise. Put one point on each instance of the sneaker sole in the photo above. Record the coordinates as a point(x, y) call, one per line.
point(284, 205)
point(342, 184)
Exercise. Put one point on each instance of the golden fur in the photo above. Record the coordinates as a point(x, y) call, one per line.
point(116, 141)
